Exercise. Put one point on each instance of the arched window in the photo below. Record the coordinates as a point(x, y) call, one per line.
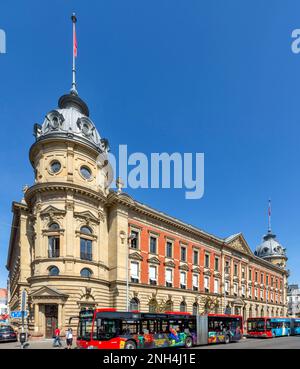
point(169, 305)
point(86, 273)
point(195, 308)
point(53, 271)
point(53, 241)
point(183, 306)
point(153, 306)
point(54, 227)
point(134, 304)
point(86, 252)
point(86, 230)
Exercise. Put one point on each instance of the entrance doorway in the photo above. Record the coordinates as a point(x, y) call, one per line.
point(51, 315)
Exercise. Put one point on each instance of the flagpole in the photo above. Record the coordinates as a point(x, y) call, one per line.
point(73, 89)
point(269, 217)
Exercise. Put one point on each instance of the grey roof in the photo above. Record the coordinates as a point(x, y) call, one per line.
point(71, 121)
point(270, 247)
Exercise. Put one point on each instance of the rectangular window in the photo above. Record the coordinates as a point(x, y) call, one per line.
point(169, 278)
point(196, 257)
point(243, 290)
point(261, 278)
point(134, 272)
point(250, 274)
point(206, 261)
point(272, 296)
point(153, 242)
point(267, 295)
point(182, 280)
point(235, 270)
point(85, 249)
point(206, 284)
point(256, 277)
point(227, 287)
point(195, 282)
point(152, 275)
point(169, 249)
point(134, 243)
point(261, 294)
point(255, 292)
point(267, 280)
point(53, 247)
point(217, 264)
point(250, 292)
point(235, 288)
point(243, 272)
point(183, 253)
point(216, 286)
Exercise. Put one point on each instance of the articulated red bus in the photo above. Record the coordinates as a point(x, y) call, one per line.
point(111, 329)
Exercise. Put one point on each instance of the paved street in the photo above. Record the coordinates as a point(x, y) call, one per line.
point(250, 343)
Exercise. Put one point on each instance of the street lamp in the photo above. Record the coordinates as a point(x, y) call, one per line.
point(129, 239)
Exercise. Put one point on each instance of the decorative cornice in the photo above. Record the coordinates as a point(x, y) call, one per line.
point(170, 264)
point(153, 260)
point(135, 256)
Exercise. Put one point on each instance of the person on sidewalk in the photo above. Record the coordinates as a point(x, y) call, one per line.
point(57, 341)
point(69, 338)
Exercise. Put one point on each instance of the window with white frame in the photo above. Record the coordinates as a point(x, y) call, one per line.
point(134, 271)
point(255, 292)
point(216, 286)
point(183, 280)
point(235, 288)
point(169, 249)
point(272, 296)
point(169, 277)
point(243, 273)
point(183, 253)
point(226, 287)
point(153, 244)
point(267, 295)
point(261, 294)
point(206, 284)
point(195, 282)
point(152, 275)
point(243, 290)
point(134, 243)
point(250, 292)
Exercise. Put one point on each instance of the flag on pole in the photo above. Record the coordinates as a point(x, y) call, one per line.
point(75, 44)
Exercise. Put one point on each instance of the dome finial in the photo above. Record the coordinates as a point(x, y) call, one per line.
point(73, 89)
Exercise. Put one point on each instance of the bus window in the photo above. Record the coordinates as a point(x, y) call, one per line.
point(268, 324)
point(105, 329)
point(130, 327)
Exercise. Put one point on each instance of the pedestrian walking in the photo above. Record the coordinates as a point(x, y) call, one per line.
point(57, 341)
point(69, 338)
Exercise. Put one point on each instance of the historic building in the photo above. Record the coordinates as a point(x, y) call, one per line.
point(70, 245)
point(293, 299)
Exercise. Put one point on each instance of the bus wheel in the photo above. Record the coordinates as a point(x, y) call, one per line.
point(130, 345)
point(188, 342)
point(227, 339)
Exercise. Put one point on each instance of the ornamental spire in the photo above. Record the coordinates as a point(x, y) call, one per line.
point(73, 89)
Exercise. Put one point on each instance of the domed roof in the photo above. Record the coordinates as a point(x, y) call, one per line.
point(270, 247)
point(71, 121)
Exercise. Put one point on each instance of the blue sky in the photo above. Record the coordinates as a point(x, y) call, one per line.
point(217, 77)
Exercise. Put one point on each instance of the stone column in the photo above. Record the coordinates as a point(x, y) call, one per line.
point(36, 317)
point(59, 316)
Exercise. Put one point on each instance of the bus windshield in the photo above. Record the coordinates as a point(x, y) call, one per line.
point(256, 325)
point(85, 328)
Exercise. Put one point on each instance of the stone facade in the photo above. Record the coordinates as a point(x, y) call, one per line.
point(69, 245)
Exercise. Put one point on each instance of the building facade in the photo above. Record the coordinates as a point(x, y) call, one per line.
point(70, 248)
point(293, 299)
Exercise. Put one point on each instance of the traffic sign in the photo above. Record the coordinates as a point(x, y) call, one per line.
point(18, 314)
